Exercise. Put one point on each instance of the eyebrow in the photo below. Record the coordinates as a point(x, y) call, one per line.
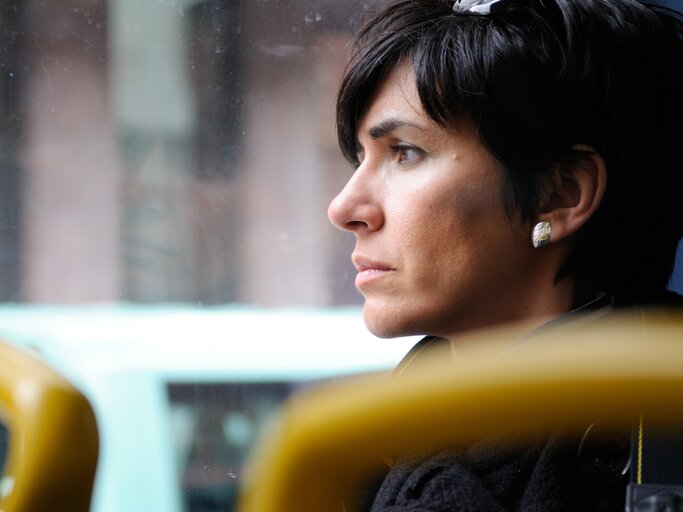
point(389, 125)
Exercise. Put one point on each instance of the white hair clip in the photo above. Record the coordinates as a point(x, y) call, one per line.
point(474, 6)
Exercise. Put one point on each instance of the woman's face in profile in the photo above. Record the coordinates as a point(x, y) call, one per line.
point(435, 251)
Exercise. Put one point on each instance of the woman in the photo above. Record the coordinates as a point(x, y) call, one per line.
point(516, 160)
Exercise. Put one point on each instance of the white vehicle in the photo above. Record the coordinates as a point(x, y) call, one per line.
point(180, 393)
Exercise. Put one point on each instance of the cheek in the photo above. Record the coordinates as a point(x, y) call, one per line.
point(451, 233)
point(459, 215)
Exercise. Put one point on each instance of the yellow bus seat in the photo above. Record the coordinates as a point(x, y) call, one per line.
point(53, 442)
point(324, 444)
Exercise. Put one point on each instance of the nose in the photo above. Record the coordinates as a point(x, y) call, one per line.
point(357, 208)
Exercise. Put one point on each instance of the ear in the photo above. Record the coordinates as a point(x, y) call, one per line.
point(574, 193)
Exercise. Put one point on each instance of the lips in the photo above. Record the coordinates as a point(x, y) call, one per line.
point(369, 270)
point(363, 264)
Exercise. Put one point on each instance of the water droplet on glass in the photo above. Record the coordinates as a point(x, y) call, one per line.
point(312, 17)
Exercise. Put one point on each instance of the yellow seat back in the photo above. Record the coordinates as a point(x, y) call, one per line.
point(53, 442)
point(325, 444)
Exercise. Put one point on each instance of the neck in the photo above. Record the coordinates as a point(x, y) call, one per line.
point(528, 310)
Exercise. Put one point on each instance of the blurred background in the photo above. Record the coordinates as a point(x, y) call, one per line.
point(159, 157)
point(172, 150)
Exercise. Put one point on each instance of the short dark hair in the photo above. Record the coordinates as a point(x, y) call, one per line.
point(535, 79)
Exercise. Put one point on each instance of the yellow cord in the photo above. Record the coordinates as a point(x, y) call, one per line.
point(639, 477)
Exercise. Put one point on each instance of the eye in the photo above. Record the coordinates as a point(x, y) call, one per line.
point(406, 154)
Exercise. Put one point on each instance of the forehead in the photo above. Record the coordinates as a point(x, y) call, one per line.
point(396, 98)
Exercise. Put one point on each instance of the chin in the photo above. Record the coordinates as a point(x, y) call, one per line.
point(384, 324)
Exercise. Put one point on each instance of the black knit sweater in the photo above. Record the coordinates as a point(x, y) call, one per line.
point(541, 476)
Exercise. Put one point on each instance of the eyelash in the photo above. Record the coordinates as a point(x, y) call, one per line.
point(403, 150)
point(400, 151)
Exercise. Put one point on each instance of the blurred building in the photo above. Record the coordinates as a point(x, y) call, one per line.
point(172, 150)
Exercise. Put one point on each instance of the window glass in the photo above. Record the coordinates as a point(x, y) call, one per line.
point(172, 150)
point(164, 158)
